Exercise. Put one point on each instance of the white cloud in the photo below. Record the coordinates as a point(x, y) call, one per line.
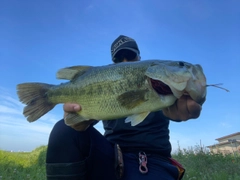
point(10, 100)
point(9, 104)
point(16, 133)
point(9, 110)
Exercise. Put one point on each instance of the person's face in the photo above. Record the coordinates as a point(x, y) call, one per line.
point(137, 58)
point(126, 55)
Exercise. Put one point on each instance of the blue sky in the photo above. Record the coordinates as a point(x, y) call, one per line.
point(40, 37)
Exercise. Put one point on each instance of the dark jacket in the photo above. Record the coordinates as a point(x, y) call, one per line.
point(150, 136)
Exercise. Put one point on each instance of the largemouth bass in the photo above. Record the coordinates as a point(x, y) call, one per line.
point(128, 89)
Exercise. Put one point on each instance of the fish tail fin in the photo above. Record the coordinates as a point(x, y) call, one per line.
point(34, 95)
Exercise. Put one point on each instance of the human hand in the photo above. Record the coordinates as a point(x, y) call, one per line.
point(183, 109)
point(71, 108)
point(74, 108)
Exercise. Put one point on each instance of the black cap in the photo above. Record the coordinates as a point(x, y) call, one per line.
point(123, 42)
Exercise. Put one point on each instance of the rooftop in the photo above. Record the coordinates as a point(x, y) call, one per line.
point(228, 136)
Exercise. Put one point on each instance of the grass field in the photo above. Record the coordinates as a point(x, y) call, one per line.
point(23, 165)
point(203, 165)
point(199, 164)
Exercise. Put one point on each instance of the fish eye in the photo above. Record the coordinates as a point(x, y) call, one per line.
point(181, 63)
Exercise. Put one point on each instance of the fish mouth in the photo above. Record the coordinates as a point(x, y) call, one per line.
point(163, 89)
point(160, 87)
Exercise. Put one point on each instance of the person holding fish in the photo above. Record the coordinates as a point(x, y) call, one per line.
point(137, 150)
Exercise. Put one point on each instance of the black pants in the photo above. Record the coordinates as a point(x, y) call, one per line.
point(96, 156)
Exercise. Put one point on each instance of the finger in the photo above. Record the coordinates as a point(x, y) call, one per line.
point(172, 112)
point(181, 108)
point(194, 109)
point(189, 108)
point(69, 107)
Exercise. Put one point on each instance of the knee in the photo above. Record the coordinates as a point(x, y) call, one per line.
point(63, 135)
point(67, 143)
point(61, 129)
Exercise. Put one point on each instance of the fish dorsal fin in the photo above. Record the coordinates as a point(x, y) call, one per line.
point(70, 72)
point(136, 118)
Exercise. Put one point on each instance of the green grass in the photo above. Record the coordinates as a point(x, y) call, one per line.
point(199, 164)
point(23, 165)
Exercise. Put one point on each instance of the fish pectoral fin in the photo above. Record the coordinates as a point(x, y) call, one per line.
point(73, 118)
point(131, 99)
point(136, 118)
point(70, 72)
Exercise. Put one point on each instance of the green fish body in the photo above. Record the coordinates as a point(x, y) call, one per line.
point(129, 89)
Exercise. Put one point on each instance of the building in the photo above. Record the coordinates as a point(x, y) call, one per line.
point(229, 144)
